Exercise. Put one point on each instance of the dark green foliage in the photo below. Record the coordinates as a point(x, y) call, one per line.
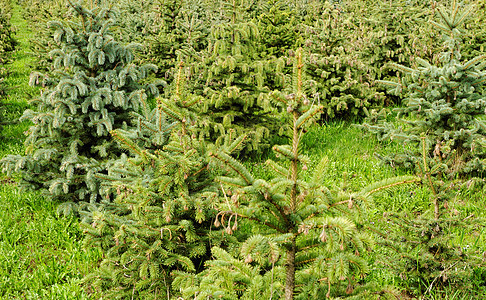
point(166, 201)
point(92, 89)
point(442, 102)
point(7, 45)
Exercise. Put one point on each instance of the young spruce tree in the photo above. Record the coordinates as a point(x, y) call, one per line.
point(179, 27)
point(166, 201)
point(333, 41)
point(447, 126)
point(91, 91)
point(38, 15)
point(429, 257)
point(234, 71)
point(302, 248)
point(442, 102)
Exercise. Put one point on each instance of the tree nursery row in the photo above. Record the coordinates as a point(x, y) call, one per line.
point(148, 112)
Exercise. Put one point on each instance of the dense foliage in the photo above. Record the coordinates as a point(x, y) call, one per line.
point(442, 101)
point(93, 87)
point(174, 209)
point(166, 199)
point(302, 245)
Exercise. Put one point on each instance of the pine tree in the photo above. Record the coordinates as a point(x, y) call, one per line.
point(92, 90)
point(303, 248)
point(167, 199)
point(442, 101)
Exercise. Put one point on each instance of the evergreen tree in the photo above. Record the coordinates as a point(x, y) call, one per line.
point(38, 15)
point(442, 102)
point(428, 254)
point(167, 199)
point(334, 62)
point(278, 27)
point(137, 20)
point(7, 41)
point(92, 90)
point(234, 73)
point(394, 32)
point(475, 37)
point(303, 247)
point(446, 126)
point(181, 27)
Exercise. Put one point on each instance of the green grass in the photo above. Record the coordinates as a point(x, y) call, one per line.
point(18, 89)
point(40, 253)
point(41, 256)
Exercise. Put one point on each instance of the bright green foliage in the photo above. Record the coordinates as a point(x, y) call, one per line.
point(92, 90)
point(303, 248)
point(235, 75)
point(335, 65)
point(442, 101)
point(39, 13)
point(166, 201)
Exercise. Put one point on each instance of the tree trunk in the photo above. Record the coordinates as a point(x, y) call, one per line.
point(290, 276)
